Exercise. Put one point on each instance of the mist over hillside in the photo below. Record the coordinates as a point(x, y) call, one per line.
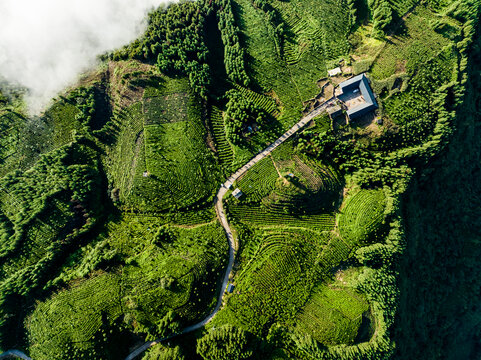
point(45, 44)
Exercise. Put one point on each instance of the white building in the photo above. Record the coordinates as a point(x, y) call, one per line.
point(237, 193)
point(335, 71)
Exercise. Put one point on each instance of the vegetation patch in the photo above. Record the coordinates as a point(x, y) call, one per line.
point(154, 293)
point(333, 314)
point(410, 49)
point(361, 216)
point(77, 322)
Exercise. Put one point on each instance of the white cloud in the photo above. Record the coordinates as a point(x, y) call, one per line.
point(46, 44)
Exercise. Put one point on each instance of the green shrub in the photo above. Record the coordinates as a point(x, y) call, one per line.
point(242, 116)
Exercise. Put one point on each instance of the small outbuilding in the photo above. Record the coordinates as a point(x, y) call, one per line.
point(335, 71)
point(237, 193)
point(230, 288)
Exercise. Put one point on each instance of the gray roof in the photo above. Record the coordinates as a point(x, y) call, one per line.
point(360, 82)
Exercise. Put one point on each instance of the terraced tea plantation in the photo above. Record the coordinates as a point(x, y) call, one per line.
point(77, 316)
point(268, 287)
point(361, 216)
point(333, 315)
point(291, 74)
point(175, 151)
point(160, 158)
point(210, 191)
point(301, 231)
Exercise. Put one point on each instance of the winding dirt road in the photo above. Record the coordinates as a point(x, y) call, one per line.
point(219, 207)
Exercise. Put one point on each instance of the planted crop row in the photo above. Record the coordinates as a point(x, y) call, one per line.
point(269, 285)
point(335, 252)
point(261, 217)
point(264, 102)
point(332, 316)
point(279, 265)
point(41, 232)
point(317, 177)
point(74, 315)
point(259, 181)
point(323, 29)
point(223, 146)
point(292, 52)
point(361, 216)
point(283, 152)
point(193, 217)
point(165, 109)
point(346, 300)
point(176, 155)
point(124, 153)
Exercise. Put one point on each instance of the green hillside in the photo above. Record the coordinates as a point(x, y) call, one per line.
point(125, 201)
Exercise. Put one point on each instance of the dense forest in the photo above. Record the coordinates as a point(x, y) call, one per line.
point(352, 238)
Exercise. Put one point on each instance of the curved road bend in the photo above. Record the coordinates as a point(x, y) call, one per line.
point(14, 354)
point(219, 207)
